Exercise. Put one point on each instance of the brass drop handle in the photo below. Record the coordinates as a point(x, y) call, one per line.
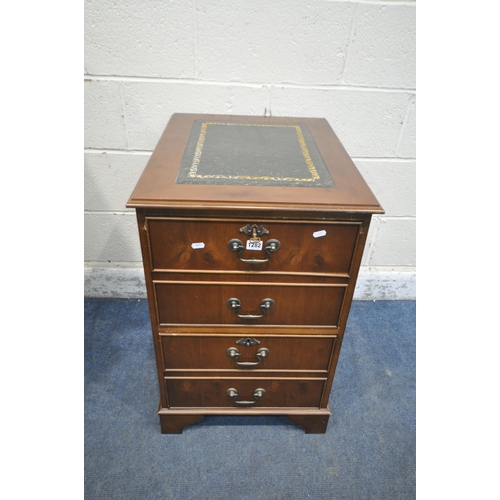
point(236, 245)
point(260, 355)
point(264, 306)
point(257, 394)
point(255, 232)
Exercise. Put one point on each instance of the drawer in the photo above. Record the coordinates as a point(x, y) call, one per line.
point(201, 352)
point(216, 393)
point(310, 247)
point(261, 304)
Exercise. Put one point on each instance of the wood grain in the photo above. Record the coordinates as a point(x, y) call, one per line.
point(191, 273)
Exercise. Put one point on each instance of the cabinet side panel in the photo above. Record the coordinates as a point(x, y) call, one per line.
point(356, 262)
point(145, 249)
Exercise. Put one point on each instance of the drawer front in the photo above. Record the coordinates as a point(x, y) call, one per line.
point(213, 393)
point(211, 303)
point(204, 245)
point(201, 352)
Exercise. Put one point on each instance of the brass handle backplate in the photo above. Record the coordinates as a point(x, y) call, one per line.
point(257, 394)
point(235, 304)
point(260, 355)
point(254, 232)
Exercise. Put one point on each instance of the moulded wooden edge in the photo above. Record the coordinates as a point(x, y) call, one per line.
point(277, 411)
point(237, 205)
point(156, 187)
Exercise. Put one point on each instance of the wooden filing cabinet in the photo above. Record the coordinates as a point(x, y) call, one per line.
point(252, 231)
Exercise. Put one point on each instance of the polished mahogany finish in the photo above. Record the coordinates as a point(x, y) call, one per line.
point(212, 393)
point(194, 303)
point(252, 231)
point(171, 241)
point(188, 352)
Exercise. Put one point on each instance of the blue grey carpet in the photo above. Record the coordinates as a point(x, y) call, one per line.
point(368, 451)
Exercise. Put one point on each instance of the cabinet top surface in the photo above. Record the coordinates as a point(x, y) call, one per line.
point(251, 162)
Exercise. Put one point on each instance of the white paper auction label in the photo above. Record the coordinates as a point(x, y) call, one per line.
point(254, 244)
point(198, 245)
point(318, 234)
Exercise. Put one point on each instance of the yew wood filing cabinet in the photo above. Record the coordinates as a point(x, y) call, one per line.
point(252, 231)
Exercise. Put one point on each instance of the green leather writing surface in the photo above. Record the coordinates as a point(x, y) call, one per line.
point(258, 154)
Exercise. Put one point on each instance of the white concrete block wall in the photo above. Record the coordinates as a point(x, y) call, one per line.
point(351, 62)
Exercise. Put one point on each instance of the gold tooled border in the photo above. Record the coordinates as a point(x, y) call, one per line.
point(193, 170)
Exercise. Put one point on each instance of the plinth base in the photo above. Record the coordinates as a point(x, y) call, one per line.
point(173, 421)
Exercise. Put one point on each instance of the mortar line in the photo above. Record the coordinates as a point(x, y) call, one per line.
point(403, 125)
point(124, 116)
point(128, 212)
point(254, 85)
point(144, 152)
point(375, 224)
point(118, 151)
point(352, 35)
point(269, 112)
point(388, 159)
point(402, 268)
point(395, 217)
point(378, 2)
point(195, 41)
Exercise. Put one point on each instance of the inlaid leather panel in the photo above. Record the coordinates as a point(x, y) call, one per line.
point(203, 245)
point(252, 353)
point(208, 303)
point(213, 393)
point(252, 154)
